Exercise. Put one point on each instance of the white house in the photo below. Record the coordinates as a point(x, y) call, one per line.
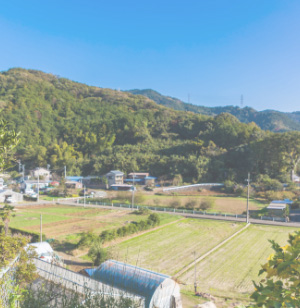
point(42, 172)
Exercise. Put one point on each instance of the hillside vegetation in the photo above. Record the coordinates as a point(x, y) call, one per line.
point(92, 130)
point(268, 119)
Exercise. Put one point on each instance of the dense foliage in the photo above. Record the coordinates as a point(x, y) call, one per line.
point(93, 130)
point(267, 119)
point(281, 288)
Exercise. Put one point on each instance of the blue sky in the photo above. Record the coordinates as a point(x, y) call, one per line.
point(212, 50)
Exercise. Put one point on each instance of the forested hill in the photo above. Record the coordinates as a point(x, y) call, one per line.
point(92, 130)
point(268, 119)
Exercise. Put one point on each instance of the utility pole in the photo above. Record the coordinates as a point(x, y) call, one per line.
point(23, 167)
point(41, 234)
point(83, 195)
point(38, 188)
point(65, 169)
point(248, 190)
point(132, 201)
point(195, 278)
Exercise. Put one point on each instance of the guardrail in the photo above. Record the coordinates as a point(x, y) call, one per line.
point(181, 211)
point(193, 185)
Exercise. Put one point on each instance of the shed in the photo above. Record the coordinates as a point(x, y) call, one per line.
point(159, 290)
point(12, 195)
point(73, 184)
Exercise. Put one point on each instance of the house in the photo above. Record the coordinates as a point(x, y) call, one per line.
point(73, 184)
point(8, 195)
point(114, 177)
point(42, 172)
point(31, 185)
point(159, 290)
point(2, 184)
point(141, 178)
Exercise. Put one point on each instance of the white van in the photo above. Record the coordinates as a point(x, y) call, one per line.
point(45, 252)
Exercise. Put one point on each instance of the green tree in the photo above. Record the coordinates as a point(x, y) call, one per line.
point(97, 253)
point(281, 287)
point(6, 212)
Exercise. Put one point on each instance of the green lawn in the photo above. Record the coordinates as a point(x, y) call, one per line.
point(232, 268)
point(170, 248)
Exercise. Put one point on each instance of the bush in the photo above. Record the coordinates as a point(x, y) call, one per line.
point(191, 204)
point(207, 203)
point(139, 198)
point(175, 204)
point(142, 211)
point(97, 253)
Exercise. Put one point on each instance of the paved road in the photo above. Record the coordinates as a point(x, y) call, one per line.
point(253, 221)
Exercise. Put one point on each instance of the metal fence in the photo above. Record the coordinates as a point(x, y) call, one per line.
point(80, 283)
point(179, 211)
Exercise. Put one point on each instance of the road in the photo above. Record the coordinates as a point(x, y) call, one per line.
point(206, 216)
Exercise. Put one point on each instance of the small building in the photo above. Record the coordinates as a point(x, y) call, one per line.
point(74, 179)
point(138, 175)
point(150, 180)
point(2, 184)
point(141, 178)
point(73, 185)
point(8, 195)
point(114, 177)
point(42, 172)
point(122, 187)
point(159, 290)
point(32, 185)
point(277, 208)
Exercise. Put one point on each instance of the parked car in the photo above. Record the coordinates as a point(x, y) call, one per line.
point(9, 200)
point(45, 252)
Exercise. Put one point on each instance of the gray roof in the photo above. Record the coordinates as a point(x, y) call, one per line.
point(116, 172)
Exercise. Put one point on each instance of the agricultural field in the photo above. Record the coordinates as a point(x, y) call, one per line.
point(63, 222)
point(226, 273)
point(221, 203)
point(233, 266)
point(169, 249)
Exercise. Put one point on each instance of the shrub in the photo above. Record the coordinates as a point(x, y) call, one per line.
point(175, 204)
point(139, 198)
point(207, 203)
point(142, 211)
point(191, 204)
point(97, 253)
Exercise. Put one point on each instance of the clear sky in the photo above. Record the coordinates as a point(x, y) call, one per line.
point(212, 50)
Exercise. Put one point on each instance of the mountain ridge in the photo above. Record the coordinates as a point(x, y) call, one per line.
point(268, 119)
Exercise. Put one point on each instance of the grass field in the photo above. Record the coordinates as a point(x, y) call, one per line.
point(67, 222)
point(169, 249)
point(233, 267)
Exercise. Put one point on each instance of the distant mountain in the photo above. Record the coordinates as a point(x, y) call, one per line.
point(268, 119)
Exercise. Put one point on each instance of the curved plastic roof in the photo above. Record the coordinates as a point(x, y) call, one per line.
point(129, 278)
